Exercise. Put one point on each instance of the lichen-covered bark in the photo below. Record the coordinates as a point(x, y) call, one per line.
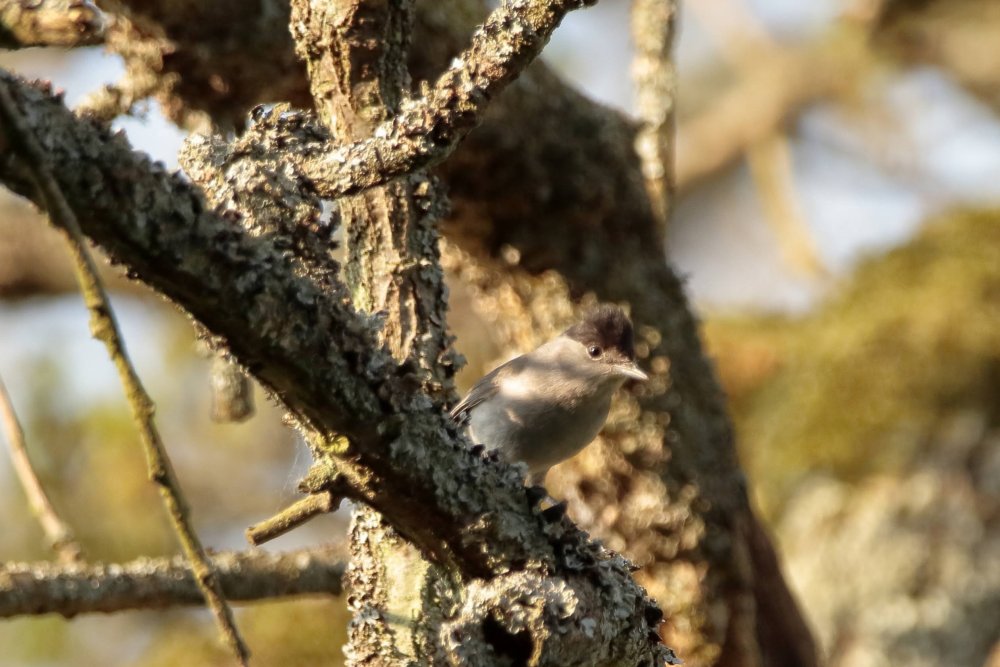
point(250, 181)
point(548, 164)
point(322, 359)
point(670, 454)
point(160, 583)
point(356, 58)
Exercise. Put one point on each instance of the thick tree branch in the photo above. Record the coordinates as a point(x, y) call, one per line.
point(320, 359)
point(546, 158)
point(159, 583)
point(357, 73)
point(358, 76)
point(425, 131)
point(357, 79)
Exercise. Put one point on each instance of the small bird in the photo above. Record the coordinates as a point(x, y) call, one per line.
point(545, 406)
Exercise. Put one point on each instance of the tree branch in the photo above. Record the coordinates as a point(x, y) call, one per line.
point(426, 131)
point(292, 517)
point(547, 159)
point(653, 30)
point(104, 327)
point(358, 76)
point(160, 583)
point(321, 360)
point(58, 532)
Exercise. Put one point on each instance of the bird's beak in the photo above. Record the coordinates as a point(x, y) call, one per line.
point(632, 372)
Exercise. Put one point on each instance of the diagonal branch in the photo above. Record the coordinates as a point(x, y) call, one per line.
point(160, 583)
point(104, 327)
point(318, 357)
point(426, 131)
point(58, 532)
point(292, 517)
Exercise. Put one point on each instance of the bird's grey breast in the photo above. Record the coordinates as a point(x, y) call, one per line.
point(545, 409)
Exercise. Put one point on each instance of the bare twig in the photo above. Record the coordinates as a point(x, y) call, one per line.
point(58, 532)
point(780, 83)
point(653, 31)
point(292, 517)
point(50, 23)
point(159, 583)
point(104, 327)
point(742, 38)
point(770, 163)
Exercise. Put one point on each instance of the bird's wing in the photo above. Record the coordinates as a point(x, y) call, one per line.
point(483, 390)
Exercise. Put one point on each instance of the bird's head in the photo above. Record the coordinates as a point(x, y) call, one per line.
point(607, 342)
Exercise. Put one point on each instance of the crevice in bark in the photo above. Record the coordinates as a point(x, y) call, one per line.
point(514, 648)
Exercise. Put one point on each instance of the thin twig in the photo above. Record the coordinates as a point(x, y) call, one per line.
point(653, 32)
point(58, 532)
point(292, 517)
point(743, 40)
point(160, 583)
point(770, 163)
point(104, 327)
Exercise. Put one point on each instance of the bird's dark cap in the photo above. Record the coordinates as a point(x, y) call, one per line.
point(606, 326)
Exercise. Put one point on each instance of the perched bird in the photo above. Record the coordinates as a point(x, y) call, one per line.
point(545, 406)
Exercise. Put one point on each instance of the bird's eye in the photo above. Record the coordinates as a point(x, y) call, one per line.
point(594, 351)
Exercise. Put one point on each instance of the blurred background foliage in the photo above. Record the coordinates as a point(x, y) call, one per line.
point(847, 269)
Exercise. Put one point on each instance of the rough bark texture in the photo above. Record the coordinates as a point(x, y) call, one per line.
point(356, 56)
point(159, 583)
point(549, 204)
point(377, 432)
